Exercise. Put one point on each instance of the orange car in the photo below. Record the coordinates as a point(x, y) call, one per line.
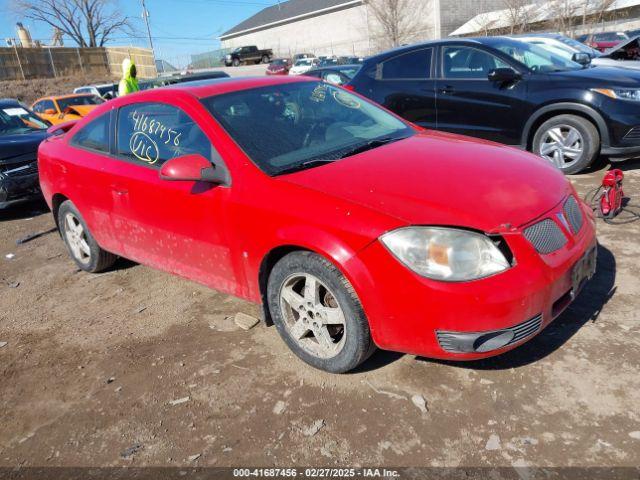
point(65, 108)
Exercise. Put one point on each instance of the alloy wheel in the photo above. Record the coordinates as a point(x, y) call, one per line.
point(562, 145)
point(312, 315)
point(77, 239)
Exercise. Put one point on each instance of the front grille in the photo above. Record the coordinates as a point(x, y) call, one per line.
point(573, 214)
point(545, 236)
point(525, 329)
point(633, 134)
point(19, 169)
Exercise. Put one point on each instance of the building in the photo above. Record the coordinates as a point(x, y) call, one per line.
point(348, 27)
point(573, 17)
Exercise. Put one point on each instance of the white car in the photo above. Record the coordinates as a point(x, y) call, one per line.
point(105, 90)
point(302, 66)
point(625, 54)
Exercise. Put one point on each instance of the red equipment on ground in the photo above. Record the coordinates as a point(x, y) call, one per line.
point(612, 194)
point(608, 200)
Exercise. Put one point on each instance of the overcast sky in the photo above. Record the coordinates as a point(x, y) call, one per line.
point(179, 27)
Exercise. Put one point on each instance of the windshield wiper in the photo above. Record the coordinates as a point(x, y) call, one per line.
point(370, 145)
point(305, 165)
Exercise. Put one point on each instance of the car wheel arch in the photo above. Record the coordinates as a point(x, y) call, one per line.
point(56, 200)
point(549, 111)
point(336, 257)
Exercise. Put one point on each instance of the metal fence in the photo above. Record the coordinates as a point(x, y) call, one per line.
point(27, 63)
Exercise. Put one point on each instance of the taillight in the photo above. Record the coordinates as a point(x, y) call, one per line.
point(349, 87)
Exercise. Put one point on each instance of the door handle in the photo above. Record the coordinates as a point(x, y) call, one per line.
point(448, 90)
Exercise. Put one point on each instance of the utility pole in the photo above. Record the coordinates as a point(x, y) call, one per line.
point(145, 14)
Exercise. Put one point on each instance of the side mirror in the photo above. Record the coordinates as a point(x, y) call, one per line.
point(191, 168)
point(49, 111)
point(503, 75)
point(581, 58)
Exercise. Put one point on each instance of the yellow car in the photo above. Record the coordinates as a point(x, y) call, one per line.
point(65, 108)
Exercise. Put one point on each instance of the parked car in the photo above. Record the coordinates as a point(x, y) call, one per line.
point(337, 75)
point(59, 109)
point(300, 56)
point(104, 90)
point(625, 54)
point(513, 93)
point(181, 78)
point(302, 66)
point(357, 245)
point(249, 54)
point(279, 66)
point(21, 131)
point(603, 40)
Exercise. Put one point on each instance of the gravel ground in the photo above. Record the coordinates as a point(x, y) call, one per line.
point(135, 367)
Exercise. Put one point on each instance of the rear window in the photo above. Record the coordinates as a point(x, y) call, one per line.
point(94, 135)
point(412, 65)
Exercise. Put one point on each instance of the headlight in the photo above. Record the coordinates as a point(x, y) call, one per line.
point(445, 253)
point(620, 93)
point(228, 56)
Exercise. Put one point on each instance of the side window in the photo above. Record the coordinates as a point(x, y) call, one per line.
point(37, 107)
point(468, 63)
point(152, 133)
point(45, 105)
point(94, 135)
point(414, 65)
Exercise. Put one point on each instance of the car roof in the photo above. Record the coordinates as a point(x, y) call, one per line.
point(219, 86)
point(9, 102)
point(61, 97)
point(414, 46)
point(336, 67)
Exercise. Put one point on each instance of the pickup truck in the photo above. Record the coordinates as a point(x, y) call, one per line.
point(249, 54)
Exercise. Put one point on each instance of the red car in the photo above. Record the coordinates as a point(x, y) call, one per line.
point(353, 228)
point(279, 66)
point(604, 40)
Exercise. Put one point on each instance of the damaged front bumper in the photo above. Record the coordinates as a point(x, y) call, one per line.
point(16, 189)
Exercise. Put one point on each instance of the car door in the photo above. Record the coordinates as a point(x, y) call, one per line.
point(404, 84)
point(173, 226)
point(86, 177)
point(469, 104)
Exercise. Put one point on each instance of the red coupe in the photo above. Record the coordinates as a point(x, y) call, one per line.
point(353, 228)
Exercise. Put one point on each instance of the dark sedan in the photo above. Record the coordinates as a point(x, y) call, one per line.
point(513, 93)
point(21, 131)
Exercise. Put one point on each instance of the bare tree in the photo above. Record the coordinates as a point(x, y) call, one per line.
point(517, 15)
point(565, 13)
point(398, 21)
point(90, 23)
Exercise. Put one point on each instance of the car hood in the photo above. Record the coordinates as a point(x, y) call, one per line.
point(436, 178)
point(12, 146)
point(600, 76)
point(631, 43)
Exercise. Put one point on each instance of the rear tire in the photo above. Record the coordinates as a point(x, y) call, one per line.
point(317, 313)
point(569, 142)
point(82, 247)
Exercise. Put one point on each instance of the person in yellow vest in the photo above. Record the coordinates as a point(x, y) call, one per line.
point(129, 82)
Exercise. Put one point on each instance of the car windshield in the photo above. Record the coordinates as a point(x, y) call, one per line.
point(538, 59)
point(294, 126)
point(304, 62)
point(16, 119)
point(64, 103)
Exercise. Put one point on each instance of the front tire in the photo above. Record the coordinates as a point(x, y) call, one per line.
point(317, 313)
point(569, 142)
point(265, 59)
point(236, 62)
point(82, 247)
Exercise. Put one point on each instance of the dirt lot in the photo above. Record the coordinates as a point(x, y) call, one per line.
point(93, 363)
